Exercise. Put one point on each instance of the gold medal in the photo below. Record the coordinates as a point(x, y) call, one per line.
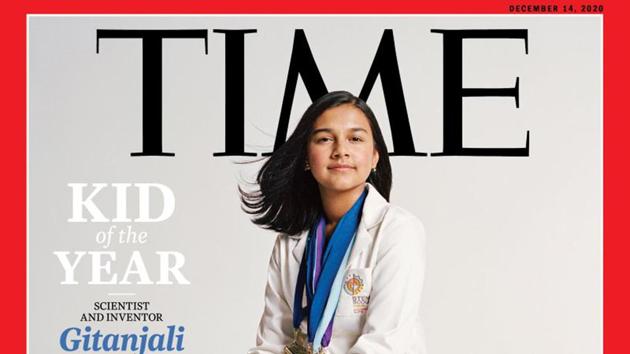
point(322, 350)
point(299, 345)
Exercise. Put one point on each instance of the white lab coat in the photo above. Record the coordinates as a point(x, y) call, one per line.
point(386, 264)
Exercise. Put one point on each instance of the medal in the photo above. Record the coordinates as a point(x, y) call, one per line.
point(299, 345)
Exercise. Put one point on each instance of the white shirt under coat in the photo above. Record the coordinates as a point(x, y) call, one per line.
point(387, 262)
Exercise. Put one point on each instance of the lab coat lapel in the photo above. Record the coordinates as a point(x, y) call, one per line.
point(374, 209)
point(361, 243)
point(299, 245)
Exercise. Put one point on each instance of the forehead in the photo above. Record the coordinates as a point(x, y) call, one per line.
point(342, 117)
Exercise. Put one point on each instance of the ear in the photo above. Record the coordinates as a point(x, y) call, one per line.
point(375, 157)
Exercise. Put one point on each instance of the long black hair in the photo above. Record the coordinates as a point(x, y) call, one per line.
point(288, 200)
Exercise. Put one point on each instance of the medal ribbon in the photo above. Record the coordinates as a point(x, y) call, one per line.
point(321, 272)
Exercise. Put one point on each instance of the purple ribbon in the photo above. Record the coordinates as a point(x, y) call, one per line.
point(320, 240)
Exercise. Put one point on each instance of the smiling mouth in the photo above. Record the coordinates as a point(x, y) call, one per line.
point(341, 168)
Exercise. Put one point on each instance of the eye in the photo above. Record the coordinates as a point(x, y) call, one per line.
point(356, 139)
point(323, 139)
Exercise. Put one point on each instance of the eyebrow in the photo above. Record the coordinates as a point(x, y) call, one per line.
point(328, 130)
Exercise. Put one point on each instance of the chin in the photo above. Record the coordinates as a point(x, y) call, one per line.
point(343, 186)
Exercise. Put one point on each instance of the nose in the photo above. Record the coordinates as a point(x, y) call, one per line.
point(340, 150)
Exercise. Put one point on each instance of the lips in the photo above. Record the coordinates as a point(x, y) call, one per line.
point(340, 167)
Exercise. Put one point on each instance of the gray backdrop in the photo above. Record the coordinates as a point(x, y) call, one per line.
point(514, 244)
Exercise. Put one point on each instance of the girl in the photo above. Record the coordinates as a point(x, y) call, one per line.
point(346, 271)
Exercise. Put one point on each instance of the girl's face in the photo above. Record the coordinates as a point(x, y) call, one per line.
point(341, 150)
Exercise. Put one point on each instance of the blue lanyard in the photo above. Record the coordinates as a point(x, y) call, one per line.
point(333, 257)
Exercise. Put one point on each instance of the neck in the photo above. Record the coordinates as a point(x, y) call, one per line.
point(336, 204)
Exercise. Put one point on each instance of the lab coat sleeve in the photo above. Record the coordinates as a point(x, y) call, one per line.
point(275, 329)
point(397, 278)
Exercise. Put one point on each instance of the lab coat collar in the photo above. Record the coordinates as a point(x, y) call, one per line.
point(374, 209)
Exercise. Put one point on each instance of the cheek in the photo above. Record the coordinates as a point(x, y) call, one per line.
point(364, 159)
point(316, 155)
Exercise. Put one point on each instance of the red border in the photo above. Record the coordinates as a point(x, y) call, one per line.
point(616, 291)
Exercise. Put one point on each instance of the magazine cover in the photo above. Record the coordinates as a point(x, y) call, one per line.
point(269, 181)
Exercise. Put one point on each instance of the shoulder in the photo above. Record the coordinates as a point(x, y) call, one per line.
point(287, 245)
point(401, 227)
point(281, 247)
point(284, 241)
